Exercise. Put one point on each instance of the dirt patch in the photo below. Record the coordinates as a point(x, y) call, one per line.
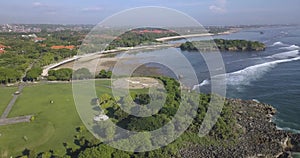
point(137, 83)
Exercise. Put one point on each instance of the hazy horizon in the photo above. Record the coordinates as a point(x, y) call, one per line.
point(207, 12)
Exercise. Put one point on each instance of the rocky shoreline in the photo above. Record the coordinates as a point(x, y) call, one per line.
point(260, 137)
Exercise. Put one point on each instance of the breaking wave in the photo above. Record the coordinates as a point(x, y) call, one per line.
point(251, 73)
point(203, 83)
point(278, 44)
point(285, 55)
point(288, 129)
point(245, 76)
point(292, 47)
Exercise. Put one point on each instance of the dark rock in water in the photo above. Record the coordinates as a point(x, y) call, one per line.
point(260, 137)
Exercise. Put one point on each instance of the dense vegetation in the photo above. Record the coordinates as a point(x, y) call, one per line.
point(104, 74)
point(224, 132)
point(66, 74)
point(63, 74)
point(223, 45)
point(141, 36)
point(33, 74)
point(9, 75)
point(22, 52)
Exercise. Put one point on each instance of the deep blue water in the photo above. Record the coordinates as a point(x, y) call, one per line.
point(271, 76)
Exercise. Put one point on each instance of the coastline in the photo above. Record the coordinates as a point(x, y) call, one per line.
point(259, 138)
point(197, 35)
point(125, 49)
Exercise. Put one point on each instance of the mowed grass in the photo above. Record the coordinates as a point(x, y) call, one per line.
point(6, 93)
point(54, 124)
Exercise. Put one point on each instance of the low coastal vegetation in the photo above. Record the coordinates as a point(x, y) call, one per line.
point(223, 45)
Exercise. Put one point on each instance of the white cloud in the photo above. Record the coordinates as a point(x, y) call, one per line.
point(219, 7)
point(37, 4)
point(92, 9)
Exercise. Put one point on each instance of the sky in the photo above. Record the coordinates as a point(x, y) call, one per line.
point(206, 12)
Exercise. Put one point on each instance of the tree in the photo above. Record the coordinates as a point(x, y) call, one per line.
point(46, 155)
point(109, 131)
point(99, 151)
point(33, 74)
point(64, 74)
point(51, 78)
point(120, 154)
point(104, 74)
point(82, 73)
point(9, 75)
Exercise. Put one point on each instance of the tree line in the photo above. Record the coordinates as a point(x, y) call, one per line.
point(67, 74)
point(139, 36)
point(223, 45)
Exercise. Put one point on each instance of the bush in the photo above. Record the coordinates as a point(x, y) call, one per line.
point(32, 118)
point(104, 74)
point(64, 74)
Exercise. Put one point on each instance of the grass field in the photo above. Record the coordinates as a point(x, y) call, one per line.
point(6, 94)
point(54, 124)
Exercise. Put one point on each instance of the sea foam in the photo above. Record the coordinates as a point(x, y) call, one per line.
point(285, 55)
point(292, 47)
point(252, 73)
point(203, 83)
point(245, 76)
point(277, 43)
point(288, 129)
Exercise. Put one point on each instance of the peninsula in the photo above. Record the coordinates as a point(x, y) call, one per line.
point(223, 45)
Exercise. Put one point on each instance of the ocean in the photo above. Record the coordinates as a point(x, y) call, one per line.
point(271, 76)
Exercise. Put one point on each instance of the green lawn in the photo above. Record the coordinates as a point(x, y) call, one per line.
point(54, 123)
point(6, 94)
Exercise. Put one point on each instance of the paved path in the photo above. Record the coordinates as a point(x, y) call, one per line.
point(95, 55)
point(6, 121)
point(20, 119)
point(12, 102)
point(52, 66)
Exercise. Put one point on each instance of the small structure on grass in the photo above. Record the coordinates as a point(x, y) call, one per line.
point(99, 118)
point(17, 93)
